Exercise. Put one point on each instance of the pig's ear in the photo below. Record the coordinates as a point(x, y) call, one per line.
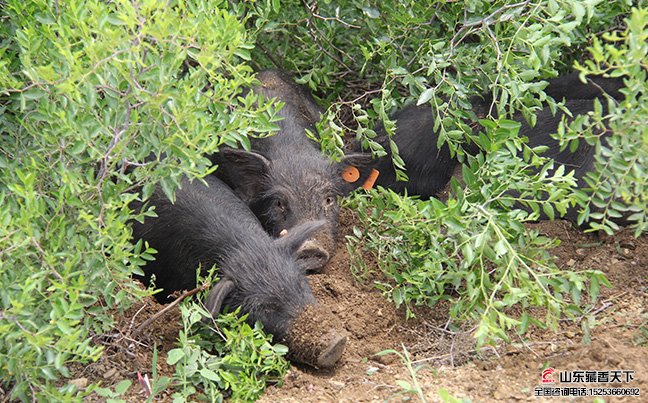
point(217, 295)
point(298, 235)
point(244, 171)
point(354, 171)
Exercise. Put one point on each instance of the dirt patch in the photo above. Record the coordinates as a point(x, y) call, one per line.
point(508, 372)
point(126, 356)
point(502, 373)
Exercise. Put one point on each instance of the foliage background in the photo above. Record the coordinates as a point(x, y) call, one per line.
point(94, 93)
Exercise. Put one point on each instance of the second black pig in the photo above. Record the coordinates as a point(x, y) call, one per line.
point(285, 179)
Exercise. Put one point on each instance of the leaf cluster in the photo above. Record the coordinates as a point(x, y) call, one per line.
point(99, 102)
point(230, 359)
point(491, 268)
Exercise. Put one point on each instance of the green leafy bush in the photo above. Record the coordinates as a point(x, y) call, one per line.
point(474, 250)
point(92, 95)
point(240, 362)
point(620, 183)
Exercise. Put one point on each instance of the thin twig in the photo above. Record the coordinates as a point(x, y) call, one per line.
point(44, 262)
point(314, 14)
point(135, 316)
point(488, 20)
point(366, 93)
point(168, 308)
point(312, 29)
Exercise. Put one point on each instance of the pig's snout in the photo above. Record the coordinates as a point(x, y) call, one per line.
point(312, 256)
point(332, 353)
point(316, 337)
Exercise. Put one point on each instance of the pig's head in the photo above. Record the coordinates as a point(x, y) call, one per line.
point(299, 187)
point(266, 281)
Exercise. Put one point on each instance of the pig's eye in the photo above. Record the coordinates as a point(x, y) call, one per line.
point(329, 201)
point(279, 204)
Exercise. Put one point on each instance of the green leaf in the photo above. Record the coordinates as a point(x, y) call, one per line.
point(175, 355)
point(122, 386)
point(371, 12)
point(168, 188)
point(425, 96)
point(103, 392)
point(385, 352)
point(209, 374)
point(280, 349)
point(404, 385)
point(243, 54)
point(33, 94)
point(115, 19)
point(45, 18)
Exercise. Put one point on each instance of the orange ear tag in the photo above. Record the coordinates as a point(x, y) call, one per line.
point(371, 180)
point(350, 174)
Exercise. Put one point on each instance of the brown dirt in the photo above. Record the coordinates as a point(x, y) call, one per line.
point(508, 372)
point(125, 356)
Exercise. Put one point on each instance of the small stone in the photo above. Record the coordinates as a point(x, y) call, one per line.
point(570, 262)
point(372, 370)
point(627, 244)
point(385, 359)
point(80, 383)
point(501, 393)
point(110, 373)
point(337, 384)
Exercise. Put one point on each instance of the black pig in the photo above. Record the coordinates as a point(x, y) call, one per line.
point(581, 160)
point(209, 225)
point(285, 179)
point(430, 168)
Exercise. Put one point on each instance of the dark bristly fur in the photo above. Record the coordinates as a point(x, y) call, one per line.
point(210, 225)
point(428, 168)
point(286, 180)
point(570, 87)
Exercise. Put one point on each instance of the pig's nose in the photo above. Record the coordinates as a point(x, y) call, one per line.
point(333, 351)
point(312, 257)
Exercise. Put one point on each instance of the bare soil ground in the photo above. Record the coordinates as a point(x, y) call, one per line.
point(507, 372)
